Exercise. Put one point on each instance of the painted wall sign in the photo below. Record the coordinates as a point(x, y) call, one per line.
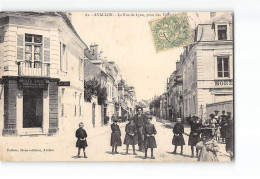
point(64, 83)
point(33, 83)
point(223, 82)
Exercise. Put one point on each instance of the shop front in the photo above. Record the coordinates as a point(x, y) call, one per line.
point(30, 106)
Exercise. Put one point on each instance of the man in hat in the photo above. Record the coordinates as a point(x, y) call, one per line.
point(230, 136)
point(194, 136)
point(139, 121)
point(223, 125)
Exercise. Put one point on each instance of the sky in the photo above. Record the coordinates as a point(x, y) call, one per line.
point(128, 41)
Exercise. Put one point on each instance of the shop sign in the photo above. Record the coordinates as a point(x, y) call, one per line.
point(33, 83)
point(64, 83)
point(223, 82)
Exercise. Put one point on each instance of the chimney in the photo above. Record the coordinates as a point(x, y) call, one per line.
point(181, 58)
point(212, 14)
point(68, 14)
point(177, 65)
point(95, 50)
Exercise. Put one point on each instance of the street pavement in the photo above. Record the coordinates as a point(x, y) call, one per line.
point(63, 148)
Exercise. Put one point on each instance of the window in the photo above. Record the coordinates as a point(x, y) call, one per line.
point(63, 58)
point(222, 32)
point(194, 104)
point(80, 104)
point(33, 48)
point(62, 102)
point(81, 64)
point(75, 108)
point(193, 72)
point(223, 67)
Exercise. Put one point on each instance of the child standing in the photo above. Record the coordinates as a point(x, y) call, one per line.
point(149, 139)
point(115, 137)
point(208, 147)
point(81, 142)
point(178, 139)
point(131, 137)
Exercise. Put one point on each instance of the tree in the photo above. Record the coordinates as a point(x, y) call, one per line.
point(92, 87)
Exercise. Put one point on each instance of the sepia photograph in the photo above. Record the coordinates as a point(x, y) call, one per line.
point(117, 86)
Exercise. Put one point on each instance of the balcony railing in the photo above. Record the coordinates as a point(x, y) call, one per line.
point(28, 68)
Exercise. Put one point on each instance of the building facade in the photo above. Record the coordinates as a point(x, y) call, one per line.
point(41, 73)
point(204, 73)
point(208, 66)
point(120, 98)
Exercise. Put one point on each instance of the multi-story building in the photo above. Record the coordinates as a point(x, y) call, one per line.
point(163, 106)
point(41, 72)
point(120, 99)
point(207, 65)
point(204, 73)
point(174, 94)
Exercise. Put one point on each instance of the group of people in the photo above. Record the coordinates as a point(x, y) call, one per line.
point(139, 131)
point(206, 135)
point(203, 136)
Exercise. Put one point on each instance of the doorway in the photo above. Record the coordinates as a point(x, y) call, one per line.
point(32, 108)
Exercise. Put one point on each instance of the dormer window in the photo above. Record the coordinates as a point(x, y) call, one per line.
point(222, 32)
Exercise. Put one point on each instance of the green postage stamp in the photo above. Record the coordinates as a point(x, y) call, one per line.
point(172, 31)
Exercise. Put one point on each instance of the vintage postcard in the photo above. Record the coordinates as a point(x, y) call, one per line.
point(116, 86)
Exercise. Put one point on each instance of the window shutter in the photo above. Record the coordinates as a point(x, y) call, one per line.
point(61, 55)
point(20, 46)
point(46, 46)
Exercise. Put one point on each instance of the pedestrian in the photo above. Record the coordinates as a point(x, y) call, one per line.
point(113, 118)
point(211, 122)
point(194, 136)
point(178, 140)
point(139, 120)
point(216, 114)
point(230, 136)
point(149, 139)
point(81, 143)
point(131, 137)
point(115, 140)
point(218, 133)
point(208, 147)
point(223, 124)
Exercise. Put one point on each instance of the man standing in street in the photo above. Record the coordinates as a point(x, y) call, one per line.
point(223, 125)
point(139, 121)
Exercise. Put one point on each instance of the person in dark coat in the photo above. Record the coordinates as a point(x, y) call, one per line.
point(81, 143)
point(178, 139)
point(194, 136)
point(149, 139)
point(139, 120)
point(223, 125)
point(230, 136)
point(131, 137)
point(115, 137)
